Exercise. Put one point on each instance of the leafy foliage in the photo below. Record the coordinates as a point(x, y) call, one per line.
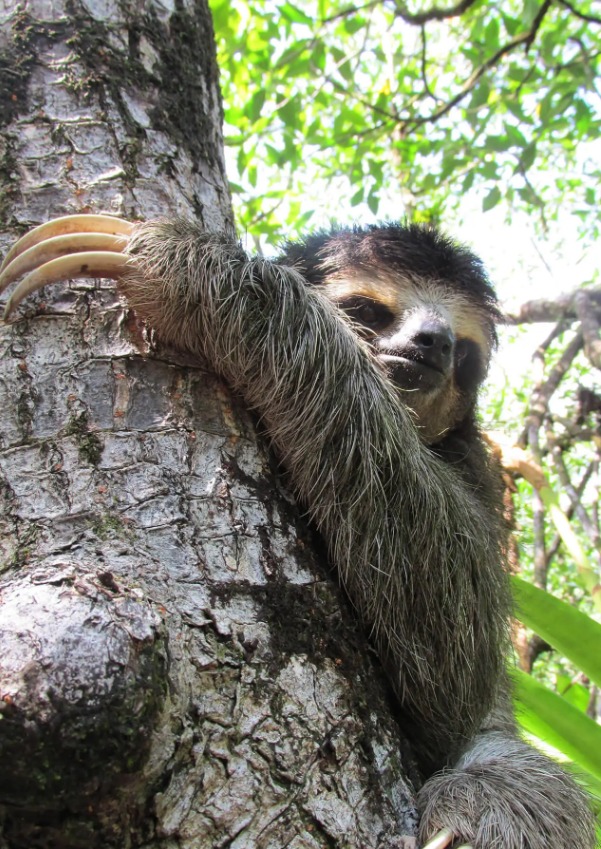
point(387, 101)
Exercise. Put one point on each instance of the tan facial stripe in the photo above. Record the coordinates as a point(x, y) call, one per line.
point(468, 325)
point(385, 295)
point(401, 295)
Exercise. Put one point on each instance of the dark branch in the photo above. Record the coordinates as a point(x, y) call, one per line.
point(351, 10)
point(433, 14)
point(575, 496)
point(556, 542)
point(591, 19)
point(536, 23)
point(424, 67)
point(525, 38)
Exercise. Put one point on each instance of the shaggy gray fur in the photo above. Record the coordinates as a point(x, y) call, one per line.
point(417, 544)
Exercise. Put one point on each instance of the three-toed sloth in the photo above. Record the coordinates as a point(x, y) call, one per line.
point(363, 351)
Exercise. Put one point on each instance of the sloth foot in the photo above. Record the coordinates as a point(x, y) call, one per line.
point(492, 806)
point(65, 248)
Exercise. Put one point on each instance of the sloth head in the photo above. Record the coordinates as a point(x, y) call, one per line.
point(422, 303)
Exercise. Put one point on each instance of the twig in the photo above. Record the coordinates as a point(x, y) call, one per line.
point(573, 494)
point(592, 19)
point(542, 393)
point(424, 68)
point(350, 10)
point(433, 14)
point(526, 38)
point(556, 541)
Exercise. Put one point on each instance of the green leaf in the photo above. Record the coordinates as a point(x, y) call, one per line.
point(528, 156)
point(490, 170)
point(574, 634)
point(491, 199)
point(497, 143)
point(318, 56)
point(515, 135)
point(491, 35)
point(353, 23)
point(515, 107)
point(530, 11)
point(295, 15)
point(551, 718)
point(574, 693)
point(373, 201)
point(480, 95)
point(255, 105)
point(291, 111)
point(547, 107)
point(512, 25)
point(345, 70)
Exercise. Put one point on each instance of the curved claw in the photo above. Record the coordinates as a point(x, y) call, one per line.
point(89, 264)
point(84, 223)
point(71, 246)
point(444, 839)
point(55, 247)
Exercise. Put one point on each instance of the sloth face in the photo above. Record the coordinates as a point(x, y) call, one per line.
point(431, 341)
point(423, 303)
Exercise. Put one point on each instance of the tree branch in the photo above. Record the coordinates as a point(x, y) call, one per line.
point(536, 23)
point(351, 11)
point(424, 68)
point(433, 14)
point(574, 496)
point(556, 542)
point(525, 38)
point(591, 19)
point(562, 307)
point(543, 391)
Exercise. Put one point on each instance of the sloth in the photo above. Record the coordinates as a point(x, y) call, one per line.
point(363, 350)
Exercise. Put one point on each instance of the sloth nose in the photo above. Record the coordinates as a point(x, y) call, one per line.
point(434, 342)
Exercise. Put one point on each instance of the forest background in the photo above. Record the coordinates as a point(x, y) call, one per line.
point(484, 118)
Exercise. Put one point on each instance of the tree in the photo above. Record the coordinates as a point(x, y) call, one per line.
point(177, 666)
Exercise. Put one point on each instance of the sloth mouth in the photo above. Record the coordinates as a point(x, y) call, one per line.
point(412, 374)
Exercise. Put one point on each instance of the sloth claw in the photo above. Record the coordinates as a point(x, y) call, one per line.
point(444, 839)
point(67, 247)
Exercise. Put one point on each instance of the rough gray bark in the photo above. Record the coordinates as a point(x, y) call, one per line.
point(177, 668)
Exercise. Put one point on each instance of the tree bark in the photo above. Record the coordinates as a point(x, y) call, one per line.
point(177, 666)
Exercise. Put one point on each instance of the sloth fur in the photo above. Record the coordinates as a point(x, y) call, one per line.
point(404, 492)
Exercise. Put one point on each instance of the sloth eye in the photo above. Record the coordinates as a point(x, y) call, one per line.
point(366, 311)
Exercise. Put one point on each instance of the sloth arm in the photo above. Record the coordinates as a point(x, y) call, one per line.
point(415, 547)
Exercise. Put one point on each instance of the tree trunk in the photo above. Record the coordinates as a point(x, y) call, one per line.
point(177, 666)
